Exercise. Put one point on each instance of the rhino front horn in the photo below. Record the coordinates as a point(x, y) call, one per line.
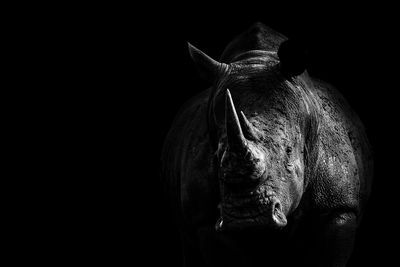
point(209, 68)
point(234, 131)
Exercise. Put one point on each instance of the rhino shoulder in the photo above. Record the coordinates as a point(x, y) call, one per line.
point(336, 183)
point(188, 162)
point(345, 161)
point(187, 119)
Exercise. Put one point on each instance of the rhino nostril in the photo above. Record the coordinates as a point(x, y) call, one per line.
point(278, 217)
point(277, 207)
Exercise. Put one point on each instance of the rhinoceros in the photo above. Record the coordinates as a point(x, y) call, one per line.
point(268, 166)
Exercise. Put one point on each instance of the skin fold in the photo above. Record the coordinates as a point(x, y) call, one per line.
point(268, 166)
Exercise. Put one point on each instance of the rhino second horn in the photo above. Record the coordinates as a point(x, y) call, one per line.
point(250, 132)
point(234, 131)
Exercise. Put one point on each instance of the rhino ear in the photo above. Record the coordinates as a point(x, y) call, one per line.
point(293, 58)
point(209, 68)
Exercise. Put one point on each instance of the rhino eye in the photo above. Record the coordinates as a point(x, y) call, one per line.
point(289, 150)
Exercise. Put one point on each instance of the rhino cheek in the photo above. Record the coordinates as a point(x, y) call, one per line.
point(289, 194)
point(296, 188)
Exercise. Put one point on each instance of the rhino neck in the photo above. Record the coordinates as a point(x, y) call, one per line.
point(257, 38)
point(310, 126)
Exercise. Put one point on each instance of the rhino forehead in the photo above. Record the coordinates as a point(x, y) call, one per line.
point(251, 74)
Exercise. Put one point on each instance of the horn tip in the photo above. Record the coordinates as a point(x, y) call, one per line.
point(228, 94)
point(192, 49)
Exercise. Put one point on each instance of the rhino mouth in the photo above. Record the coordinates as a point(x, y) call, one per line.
point(258, 208)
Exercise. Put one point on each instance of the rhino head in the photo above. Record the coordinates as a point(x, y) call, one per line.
point(263, 126)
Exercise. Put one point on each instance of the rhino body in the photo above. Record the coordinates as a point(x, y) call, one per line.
point(297, 193)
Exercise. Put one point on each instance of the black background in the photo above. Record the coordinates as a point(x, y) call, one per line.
point(125, 73)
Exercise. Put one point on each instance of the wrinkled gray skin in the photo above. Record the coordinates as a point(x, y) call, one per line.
point(265, 168)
